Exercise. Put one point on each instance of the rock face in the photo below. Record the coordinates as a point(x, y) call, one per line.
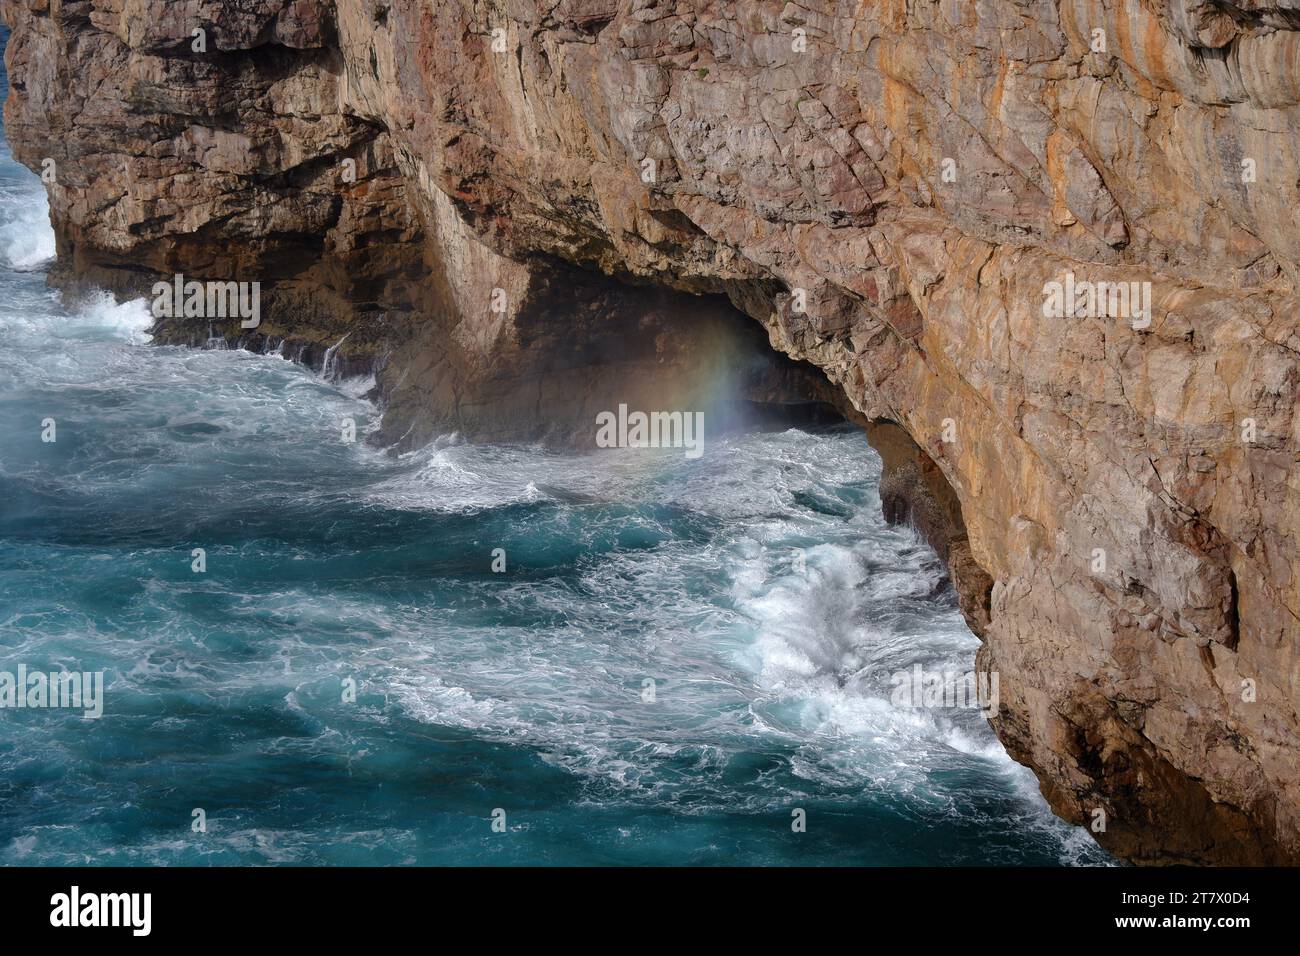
point(891, 188)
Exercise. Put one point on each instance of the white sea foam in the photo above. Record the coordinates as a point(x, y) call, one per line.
point(26, 237)
point(800, 657)
point(100, 313)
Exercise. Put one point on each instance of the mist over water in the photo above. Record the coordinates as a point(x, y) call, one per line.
point(522, 691)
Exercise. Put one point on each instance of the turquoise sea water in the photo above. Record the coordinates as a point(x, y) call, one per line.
point(521, 691)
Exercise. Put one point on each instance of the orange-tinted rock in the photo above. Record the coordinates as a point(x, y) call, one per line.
point(890, 188)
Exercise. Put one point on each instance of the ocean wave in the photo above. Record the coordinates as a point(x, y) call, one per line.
point(26, 236)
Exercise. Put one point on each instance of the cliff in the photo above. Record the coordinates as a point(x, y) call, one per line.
point(891, 188)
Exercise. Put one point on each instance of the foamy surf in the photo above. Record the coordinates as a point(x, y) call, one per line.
point(100, 314)
point(26, 237)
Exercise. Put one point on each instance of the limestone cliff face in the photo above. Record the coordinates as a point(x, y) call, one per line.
point(889, 187)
